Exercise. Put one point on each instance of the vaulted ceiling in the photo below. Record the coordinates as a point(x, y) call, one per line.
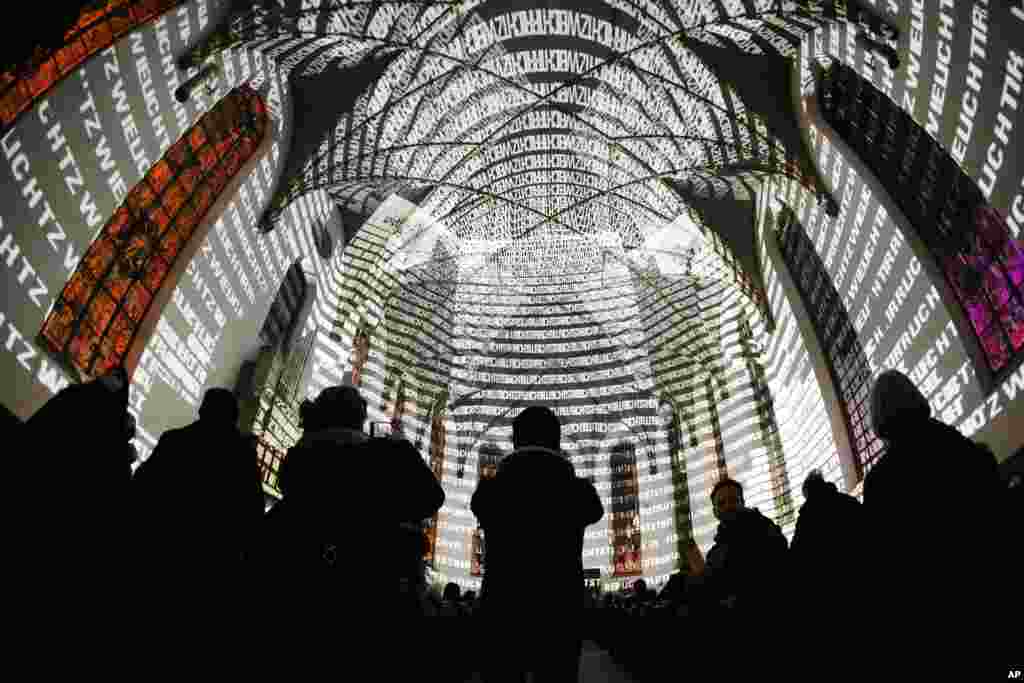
point(512, 121)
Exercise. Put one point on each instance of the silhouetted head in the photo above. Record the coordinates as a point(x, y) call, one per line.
point(116, 380)
point(340, 407)
point(640, 587)
point(537, 426)
point(219, 407)
point(114, 401)
point(896, 404)
point(727, 499)
point(451, 592)
point(469, 596)
point(814, 484)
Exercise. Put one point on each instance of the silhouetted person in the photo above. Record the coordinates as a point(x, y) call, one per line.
point(451, 593)
point(77, 478)
point(198, 497)
point(674, 590)
point(746, 567)
point(352, 506)
point(934, 495)
point(533, 513)
point(641, 594)
point(828, 546)
point(11, 425)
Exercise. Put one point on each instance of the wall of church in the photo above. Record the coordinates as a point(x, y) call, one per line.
point(811, 429)
point(72, 159)
point(961, 81)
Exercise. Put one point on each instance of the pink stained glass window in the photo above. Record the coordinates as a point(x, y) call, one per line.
point(969, 239)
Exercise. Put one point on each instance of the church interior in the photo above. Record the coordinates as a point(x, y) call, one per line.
point(697, 231)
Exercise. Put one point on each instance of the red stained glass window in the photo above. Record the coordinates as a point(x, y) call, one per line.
point(96, 29)
point(159, 176)
point(137, 302)
point(97, 314)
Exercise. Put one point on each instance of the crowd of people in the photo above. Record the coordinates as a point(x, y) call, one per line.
point(352, 509)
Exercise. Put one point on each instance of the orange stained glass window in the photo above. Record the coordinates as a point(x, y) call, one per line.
point(98, 26)
point(97, 314)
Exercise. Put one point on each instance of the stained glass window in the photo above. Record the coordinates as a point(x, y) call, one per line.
point(624, 526)
point(970, 241)
point(98, 26)
point(96, 316)
point(269, 459)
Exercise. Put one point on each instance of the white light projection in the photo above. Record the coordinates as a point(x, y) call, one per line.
point(568, 325)
point(580, 278)
point(463, 101)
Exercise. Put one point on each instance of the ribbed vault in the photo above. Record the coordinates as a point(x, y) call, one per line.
point(555, 204)
point(508, 118)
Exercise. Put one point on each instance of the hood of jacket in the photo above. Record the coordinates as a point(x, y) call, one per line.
point(897, 405)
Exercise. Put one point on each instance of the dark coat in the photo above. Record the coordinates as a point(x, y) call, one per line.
point(198, 499)
point(828, 546)
point(76, 480)
point(674, 589)
point(934, 504)
point(345, 499)
point(749, 561)
point(534, 513)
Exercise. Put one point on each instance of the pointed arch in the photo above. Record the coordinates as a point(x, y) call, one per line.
point(848, 364)
point(271, 414)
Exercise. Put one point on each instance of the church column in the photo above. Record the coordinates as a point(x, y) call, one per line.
point(680, 485)
point(782, 495)
point(716, 430)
